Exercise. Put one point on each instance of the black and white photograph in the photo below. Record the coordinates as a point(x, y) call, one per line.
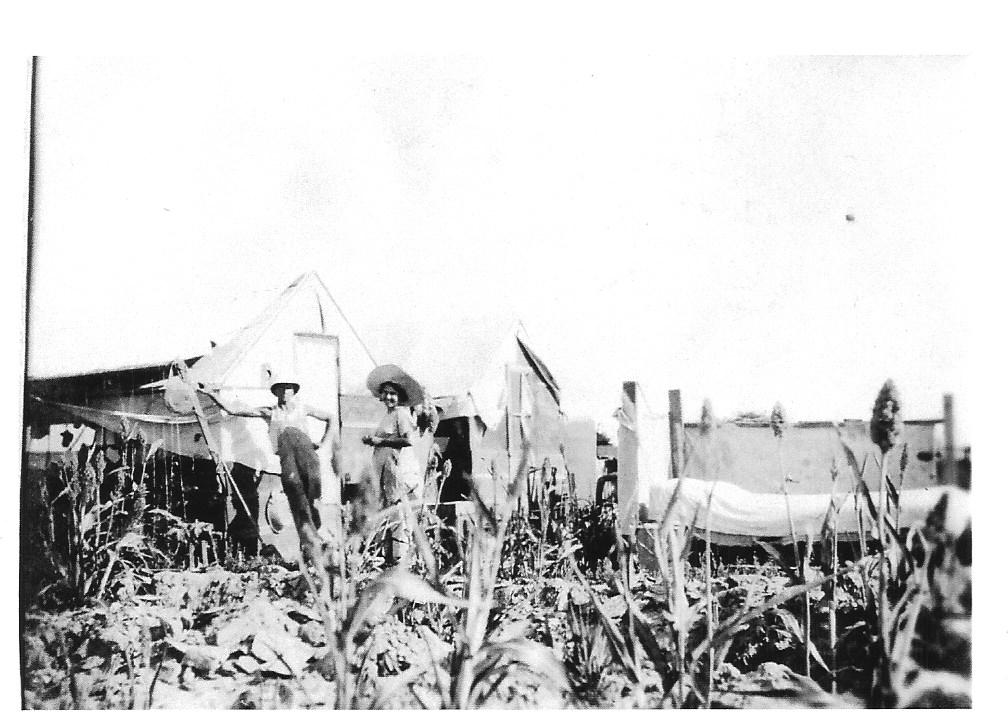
point(598, 376)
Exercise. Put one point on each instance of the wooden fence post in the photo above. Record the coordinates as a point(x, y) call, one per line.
point(627, 500)
point(949, 460)
point(676, 434)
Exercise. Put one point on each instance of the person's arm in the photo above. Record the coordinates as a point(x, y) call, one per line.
point(238, 410)
point(332, 424)
point(402, 438)
point(394, 441)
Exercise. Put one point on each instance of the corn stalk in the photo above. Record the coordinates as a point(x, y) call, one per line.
point(829, 535)
point(730, 627)
point(777, 425)
point(885, 429)
point(709, 595)
point(882, 678)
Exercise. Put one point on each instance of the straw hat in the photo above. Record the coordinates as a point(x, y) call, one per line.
point(410, 391)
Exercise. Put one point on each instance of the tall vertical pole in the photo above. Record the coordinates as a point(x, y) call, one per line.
point(628, 482)
point(507, 445)
point(627, 492)
point(30, 232)
point(30, 238)
point(948, 407)
point(676, 434)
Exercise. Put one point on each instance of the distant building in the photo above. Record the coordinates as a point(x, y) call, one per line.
point(744, 452)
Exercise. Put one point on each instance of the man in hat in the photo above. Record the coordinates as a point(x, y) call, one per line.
point(299, 462)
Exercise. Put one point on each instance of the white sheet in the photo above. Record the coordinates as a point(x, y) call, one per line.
point(735, 511)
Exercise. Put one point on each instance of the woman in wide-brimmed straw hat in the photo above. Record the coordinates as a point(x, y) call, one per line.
point(398, 472)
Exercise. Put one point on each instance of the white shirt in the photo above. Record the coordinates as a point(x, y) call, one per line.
point(292, 415)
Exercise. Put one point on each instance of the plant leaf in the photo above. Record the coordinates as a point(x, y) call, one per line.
point(401, 583)
point(817, 656)
point(905, 634)
point(794, 627)
point(851, 457)
point(851, 628)
point(90, 519)
point(392, 686)
point(510, 631)
point(165, 514)
point(486, 515)
point(893, 492)
point(616, 641)
point(497, 656)
point(650, 644)
point(867, 497)
point(731, 626)
point(153, 449)
point(690, 530)
point(779, 559)
point(131, 539)
point(790, 622)
point(666, 522)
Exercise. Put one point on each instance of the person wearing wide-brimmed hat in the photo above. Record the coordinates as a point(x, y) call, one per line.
point(300, 473)
point(397, 472)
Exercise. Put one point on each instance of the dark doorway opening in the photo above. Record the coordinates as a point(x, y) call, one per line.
point(455, 432)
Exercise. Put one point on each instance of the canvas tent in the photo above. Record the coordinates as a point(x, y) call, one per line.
point(493, 390)
point(494, 386)
point(303, 332)
point(494, 394)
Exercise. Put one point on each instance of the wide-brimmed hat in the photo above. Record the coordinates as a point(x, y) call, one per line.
point(284, 380)
point(410, 391)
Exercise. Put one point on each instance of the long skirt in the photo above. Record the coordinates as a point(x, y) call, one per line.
point(396, 542)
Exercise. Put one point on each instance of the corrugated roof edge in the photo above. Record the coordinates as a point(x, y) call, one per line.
point(105, 371)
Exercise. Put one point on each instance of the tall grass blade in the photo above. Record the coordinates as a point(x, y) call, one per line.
point(653, 650)
point(687, 544)
point(796, 629)
point(613, 635)
point(783, 564)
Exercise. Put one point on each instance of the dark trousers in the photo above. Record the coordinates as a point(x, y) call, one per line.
point(299, 475)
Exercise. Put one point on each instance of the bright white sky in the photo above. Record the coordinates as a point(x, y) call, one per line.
point(672, 220)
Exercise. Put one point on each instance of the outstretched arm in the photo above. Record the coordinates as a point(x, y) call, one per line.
point(237, 409)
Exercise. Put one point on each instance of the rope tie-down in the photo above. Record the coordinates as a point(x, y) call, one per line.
point(225, 481)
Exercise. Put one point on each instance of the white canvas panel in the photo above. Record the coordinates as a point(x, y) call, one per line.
point(735, 511)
